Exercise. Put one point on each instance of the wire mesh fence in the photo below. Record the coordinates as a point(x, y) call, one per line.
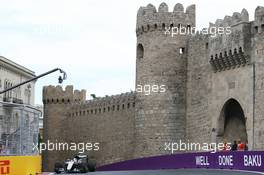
point(19, 129)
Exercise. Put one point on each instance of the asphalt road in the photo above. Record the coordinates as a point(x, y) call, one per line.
point(173, 172)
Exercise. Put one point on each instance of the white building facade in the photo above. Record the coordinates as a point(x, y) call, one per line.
point(12, 74)
point(19, 119)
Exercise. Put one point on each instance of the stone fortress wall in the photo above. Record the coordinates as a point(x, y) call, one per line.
point(70, 118)
point(214, 91)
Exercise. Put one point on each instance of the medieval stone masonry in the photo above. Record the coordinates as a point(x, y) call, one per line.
point(214, 91)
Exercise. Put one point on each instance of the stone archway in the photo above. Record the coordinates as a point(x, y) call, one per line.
point(232, 122)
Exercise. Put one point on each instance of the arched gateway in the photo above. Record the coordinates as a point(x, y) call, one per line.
point(232, 122)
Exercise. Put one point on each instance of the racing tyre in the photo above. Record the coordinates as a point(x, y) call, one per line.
point(83, 168)
point(91, 166)
point(57, 168)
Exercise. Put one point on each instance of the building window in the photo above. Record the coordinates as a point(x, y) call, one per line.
point(256, 29)
point(189, 28)
point(17, 120)
point(28, 94)
point(140, 51)
point(182, 50)
point(26, 124)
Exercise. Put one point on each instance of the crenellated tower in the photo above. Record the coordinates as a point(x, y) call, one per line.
point(236, 59)
point(57, 106)
point(257, 29)
point(161, 61)
point(233, 48)
point(229, 55)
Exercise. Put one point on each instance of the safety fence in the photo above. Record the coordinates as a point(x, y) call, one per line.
point(19, 129)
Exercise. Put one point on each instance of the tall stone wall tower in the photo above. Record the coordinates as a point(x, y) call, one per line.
point(161, 60)
point(257, 30)
point(57, 105)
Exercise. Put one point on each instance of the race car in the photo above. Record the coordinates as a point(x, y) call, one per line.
point(79, 164)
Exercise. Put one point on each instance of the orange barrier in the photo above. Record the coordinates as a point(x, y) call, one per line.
point(20, 165)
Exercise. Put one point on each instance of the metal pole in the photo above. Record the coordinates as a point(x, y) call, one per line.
point(20, 131)
point(35, 78)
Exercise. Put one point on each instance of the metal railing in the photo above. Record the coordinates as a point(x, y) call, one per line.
point(19, 129)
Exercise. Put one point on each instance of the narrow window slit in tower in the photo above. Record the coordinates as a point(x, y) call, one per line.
point(189, 28)
point(182, 50)
point(256, 29)
point(140, 51)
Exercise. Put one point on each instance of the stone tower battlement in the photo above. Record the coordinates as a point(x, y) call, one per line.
point(113, 99)
point(100, 105)
point(161, 60)
point(231, 49)
point(259, 15)
point(234, 50)
point(257, 27)
point(57, 104)
point(235, 19)
point(52, 94)
point(150, 19)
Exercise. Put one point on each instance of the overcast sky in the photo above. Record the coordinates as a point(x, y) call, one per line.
point(94, 41)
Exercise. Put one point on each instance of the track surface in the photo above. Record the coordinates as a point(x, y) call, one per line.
point(172, 172)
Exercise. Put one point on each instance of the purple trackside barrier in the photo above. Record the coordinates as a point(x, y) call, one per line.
point(239, 160)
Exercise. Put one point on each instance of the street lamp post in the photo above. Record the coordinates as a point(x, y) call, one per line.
point(61, 78)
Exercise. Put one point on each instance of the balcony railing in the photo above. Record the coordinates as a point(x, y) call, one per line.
point(13, 100)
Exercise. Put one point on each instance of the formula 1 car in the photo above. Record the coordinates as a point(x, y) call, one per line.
point(79, 164)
